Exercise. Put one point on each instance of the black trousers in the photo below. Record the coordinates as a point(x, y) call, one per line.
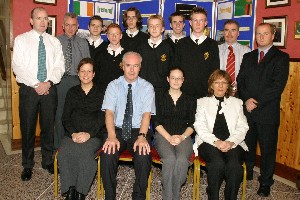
point(142, 166)
point(222, 166)
point(267, 136)
point(30, 105)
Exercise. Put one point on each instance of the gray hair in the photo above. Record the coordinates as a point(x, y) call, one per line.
point(129, 53)
point(72, 15)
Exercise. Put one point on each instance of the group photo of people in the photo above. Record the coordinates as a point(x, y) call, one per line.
point(136, 91)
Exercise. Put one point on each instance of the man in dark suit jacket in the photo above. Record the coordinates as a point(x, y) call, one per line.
point(261, 81)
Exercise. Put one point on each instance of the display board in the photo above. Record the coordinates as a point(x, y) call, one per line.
point(243, 11)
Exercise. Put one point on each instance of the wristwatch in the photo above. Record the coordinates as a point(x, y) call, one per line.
point(142, 134)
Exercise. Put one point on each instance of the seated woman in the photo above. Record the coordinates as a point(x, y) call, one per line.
point(83, 121)
point(221, 128)
point(175, 115)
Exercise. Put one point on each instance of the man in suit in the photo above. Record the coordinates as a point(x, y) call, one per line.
point(74, 49)
point(38, 64)
point(261, 81)
point(232, 48)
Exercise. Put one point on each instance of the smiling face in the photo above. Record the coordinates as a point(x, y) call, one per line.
point(39, 20)
point(231, 33)
point(175, 79)
point(177, 24)
point(86, 73)
point(220, 87)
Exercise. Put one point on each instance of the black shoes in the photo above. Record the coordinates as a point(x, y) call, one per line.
point(264, 190)
point(71, 194)
point(26, 174)
point(49, 168)
point(80, 196)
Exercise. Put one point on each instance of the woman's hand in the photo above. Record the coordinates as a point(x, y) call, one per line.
point(80, 137)
point(224, 146)
point(176, 139)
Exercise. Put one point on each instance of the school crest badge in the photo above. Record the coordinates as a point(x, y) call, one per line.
point(206, 55)
point(163, 57)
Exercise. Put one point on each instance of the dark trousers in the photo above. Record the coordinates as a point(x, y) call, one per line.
point(222, 166)
point(267, 136)
point(142, 167)
point(30, 105)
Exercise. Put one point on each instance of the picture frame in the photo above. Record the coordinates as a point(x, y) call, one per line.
point(280, 23)
point(51, 25)
point(48, 2)
point(277, 3)
point(297, 30)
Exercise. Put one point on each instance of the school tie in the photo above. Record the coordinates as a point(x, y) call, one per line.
point(197, 41)
point(131, 35)
point(68, 58)
point(153, 45)
point(230, 67)
point(127, 122)
point(114, 53)
point(93, 45)
point(176, 41)
point(42, 71)
point(261, 56)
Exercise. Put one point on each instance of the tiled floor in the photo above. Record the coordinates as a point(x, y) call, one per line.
point(41, 185)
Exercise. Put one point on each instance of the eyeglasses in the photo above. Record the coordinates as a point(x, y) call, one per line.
point(176, 78)
point(220, 83)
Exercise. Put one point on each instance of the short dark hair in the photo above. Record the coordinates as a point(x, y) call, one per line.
point(85, 61)
point(96, 17)
point(198, 10)
point(175, 14)
point(35, 9)
point(231, 21)
point(217, 74)
point(138, 15)
point(176, 68)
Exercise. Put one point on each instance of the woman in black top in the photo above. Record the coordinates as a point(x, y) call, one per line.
point(175, 115)
point(83, 121)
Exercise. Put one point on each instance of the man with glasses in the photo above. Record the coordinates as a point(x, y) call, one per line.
point(197, 55)
point(177, 24)
point(108, 61)
point(128, 105)
point(261, 81)
point(133, 36)
point(74, 48)
point(96, 43)
point(38, 64)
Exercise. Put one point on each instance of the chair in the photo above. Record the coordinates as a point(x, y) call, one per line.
point(202, 162)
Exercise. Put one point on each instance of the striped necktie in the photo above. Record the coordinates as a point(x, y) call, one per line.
point(230, 67)
point(127, 122)
point(42, 71)
point(68, 58)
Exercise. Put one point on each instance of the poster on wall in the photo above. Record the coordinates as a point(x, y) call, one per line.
point(242, 8)
point(225, 10)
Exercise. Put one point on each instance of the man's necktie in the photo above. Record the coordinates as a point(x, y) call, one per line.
point(131, 35)
point(153, 45)
point(127, 122)
point(114, 53)
point(93, 44)
point(42, 71)
point(230, 67)
point(261, 56)
point(176, 41)
point(196, 41)
point(68, 58)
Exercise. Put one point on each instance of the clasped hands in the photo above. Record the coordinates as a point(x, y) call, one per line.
point(175, 139)
point(223, 146)
point(111, 144)
point(80, 137)
point(42, 88)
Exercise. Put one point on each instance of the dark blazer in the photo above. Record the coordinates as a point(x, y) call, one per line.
point(265, 82)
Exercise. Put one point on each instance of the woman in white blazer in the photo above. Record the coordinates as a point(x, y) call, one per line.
point(221, 128)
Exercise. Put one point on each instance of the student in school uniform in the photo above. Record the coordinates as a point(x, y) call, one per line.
point(133, 36)
point(177, 24)
point(108, 62)
point(96, 43)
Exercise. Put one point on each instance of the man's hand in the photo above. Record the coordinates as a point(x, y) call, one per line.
point(143, 145)
point(110, 145)
point(42, 88)
point(251, 104)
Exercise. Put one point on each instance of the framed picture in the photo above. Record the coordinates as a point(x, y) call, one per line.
point(50, 2)
point(51, 25)
point(280, 25)
point(297, 30)
point(277, 3)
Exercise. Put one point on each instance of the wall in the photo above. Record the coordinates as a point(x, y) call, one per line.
point(21, 15)
point(292, 12)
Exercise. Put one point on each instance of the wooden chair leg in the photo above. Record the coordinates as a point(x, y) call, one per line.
point(244, 182)
point(55, 175)
point(196, 186)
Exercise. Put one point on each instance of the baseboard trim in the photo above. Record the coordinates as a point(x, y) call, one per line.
point(16, 144)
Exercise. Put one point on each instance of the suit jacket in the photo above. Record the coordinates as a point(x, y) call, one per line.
point(232, 108)
point(265, 82)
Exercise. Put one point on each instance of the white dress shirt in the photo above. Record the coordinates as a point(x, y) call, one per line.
point(132, 33)
point(238, 50)
point(205, 118)
point(151, 43)
point(96, 43)
point(200, 39)
point(117, 52)
point(25, 58)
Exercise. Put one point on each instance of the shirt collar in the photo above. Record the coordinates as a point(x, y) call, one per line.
point(117, 52)
point(125, 83)
point(132, 33)
point(265, 51)
point(96, 43)
point(156, 43)
point(201, 38)
point(173, 37)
